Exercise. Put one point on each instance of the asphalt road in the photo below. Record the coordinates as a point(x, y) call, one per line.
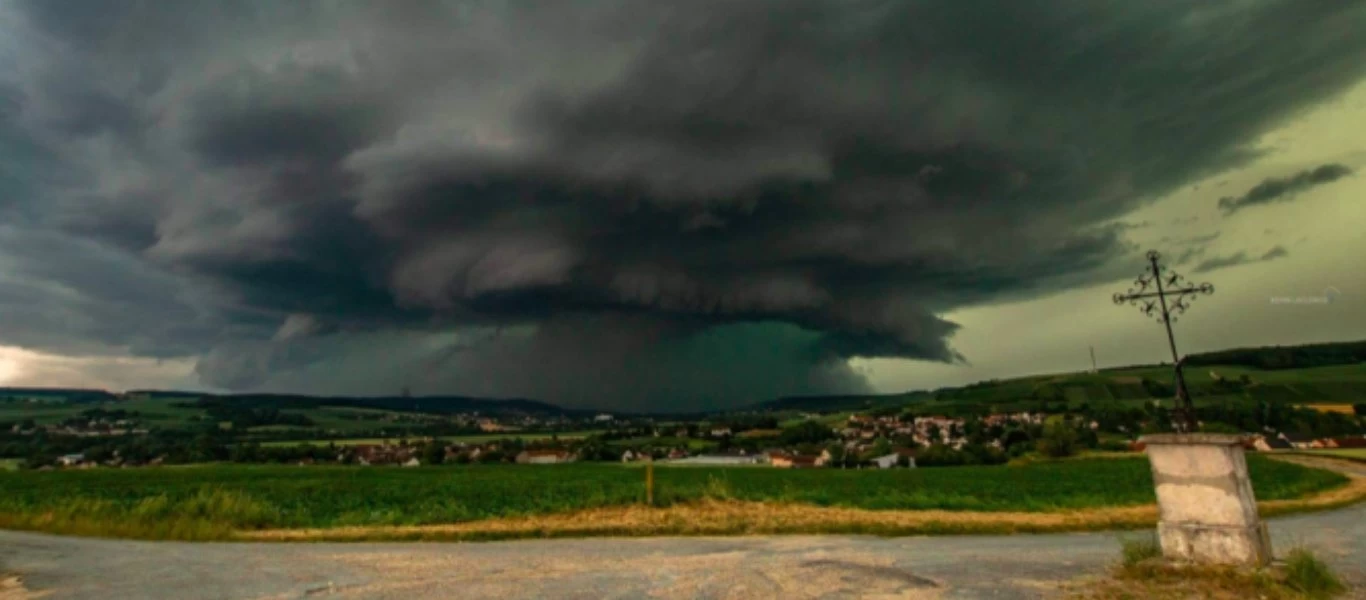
point(788, 567)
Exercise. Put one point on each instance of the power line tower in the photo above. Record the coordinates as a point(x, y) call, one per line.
point(1167, 284)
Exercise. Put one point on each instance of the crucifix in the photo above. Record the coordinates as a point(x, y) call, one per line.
point(1165, 284)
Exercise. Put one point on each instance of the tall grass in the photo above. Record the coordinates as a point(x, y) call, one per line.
point(1305, 573)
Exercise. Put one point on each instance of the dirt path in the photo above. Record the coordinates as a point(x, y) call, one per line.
point(796, 567)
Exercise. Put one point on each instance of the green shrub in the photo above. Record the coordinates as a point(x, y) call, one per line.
point(1059, 440)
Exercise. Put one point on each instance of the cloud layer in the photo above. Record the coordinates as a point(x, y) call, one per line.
point(665, 204)
point(1239, 258)
point(1283, 189)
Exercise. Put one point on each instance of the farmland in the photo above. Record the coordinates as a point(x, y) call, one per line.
point(213, 501)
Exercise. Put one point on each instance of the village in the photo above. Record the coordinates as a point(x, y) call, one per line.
point(859, 441)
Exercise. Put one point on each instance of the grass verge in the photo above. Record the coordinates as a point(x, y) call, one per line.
point(1142, 573)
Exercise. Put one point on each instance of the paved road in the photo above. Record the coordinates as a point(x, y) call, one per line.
point(825, 567)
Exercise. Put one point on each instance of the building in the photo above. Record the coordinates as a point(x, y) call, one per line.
point(1301, 441)
point(71, 460)
point(544, 457)
point(721, 460)
point(634, 456)
point(888, 461)
point(783, 460)
point(603, 418)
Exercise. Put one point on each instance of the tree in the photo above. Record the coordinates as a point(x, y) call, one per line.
point(806, 432)
point(1058, 441)
point(881, 447)
point(434, 453)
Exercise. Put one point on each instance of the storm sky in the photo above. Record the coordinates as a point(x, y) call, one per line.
point(664, 205)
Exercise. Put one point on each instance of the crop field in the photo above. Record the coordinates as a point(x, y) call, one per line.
point(210, 501)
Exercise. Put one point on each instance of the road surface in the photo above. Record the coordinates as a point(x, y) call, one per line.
point(824, 567)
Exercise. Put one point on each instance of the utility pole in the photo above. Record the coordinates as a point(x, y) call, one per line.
point(1154, 304)
point(1094, 370)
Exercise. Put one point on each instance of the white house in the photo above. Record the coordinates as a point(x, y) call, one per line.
point(887, 462)
point(720, 460)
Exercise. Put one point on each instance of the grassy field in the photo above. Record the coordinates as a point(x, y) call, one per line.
point(152, 411)
point(214, 501)
point(1353, 453)
point(9, 464)
point(468, 439)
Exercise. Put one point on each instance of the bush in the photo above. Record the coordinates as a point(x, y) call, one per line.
point(1114, 446)
point(1310, 576)
point(1058, 441)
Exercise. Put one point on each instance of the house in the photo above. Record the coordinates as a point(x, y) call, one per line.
point(71, 460)
point(544, 457)
point(721, 459)
point(824, 458)
point(783, 460)
point(677, 453)
point(720, 431)
point(908, 454)
point(641, 456)
point(1356, 442)
point(603, 418)
point(1266, 444)
point(888, 461)
point(1301, 441)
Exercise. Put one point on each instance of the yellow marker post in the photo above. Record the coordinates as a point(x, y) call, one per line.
point(650, 484)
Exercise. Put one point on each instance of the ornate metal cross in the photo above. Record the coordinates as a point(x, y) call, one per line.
point(1165, 284)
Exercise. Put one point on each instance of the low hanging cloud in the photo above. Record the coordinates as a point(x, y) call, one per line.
point(1284, 189)
point(1240, 258)
point(653, 205)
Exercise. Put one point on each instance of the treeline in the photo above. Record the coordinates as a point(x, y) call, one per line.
point(1285, 357)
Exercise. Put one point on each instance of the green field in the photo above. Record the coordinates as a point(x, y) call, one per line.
point(1354, 453)
point(467, 439)
point(152, 411)
point(211, 501)
point(9, 464)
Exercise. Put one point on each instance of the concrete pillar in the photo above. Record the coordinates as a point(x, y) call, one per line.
point(1208, 513)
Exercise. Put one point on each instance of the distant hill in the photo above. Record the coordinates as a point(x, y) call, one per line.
point(1286, 357)
point(1293, 374)
point(64, 395)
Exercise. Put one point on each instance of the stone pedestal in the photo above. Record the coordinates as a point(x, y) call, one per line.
point(1208, 513)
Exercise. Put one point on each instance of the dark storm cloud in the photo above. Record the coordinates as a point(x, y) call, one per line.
point(1240, 258)
point(1283, 189)
point(628, 194)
